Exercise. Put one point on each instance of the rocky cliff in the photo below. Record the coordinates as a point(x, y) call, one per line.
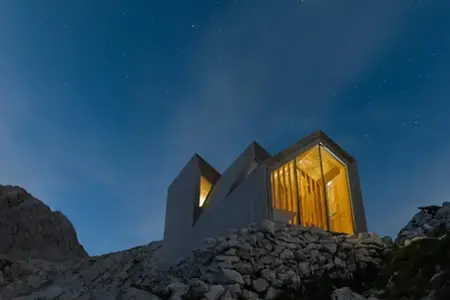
point(263, 261)
point(28, 228)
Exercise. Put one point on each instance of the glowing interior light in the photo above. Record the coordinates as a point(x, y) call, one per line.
point(205, 188)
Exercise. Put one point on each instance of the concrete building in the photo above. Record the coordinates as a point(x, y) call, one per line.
point(314, 182)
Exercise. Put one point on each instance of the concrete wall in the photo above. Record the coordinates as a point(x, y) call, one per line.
point(181, 195)
point(245, 205)
point(233, 175)
point(237, 199)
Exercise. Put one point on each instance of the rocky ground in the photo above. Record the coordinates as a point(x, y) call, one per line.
point(41, 258)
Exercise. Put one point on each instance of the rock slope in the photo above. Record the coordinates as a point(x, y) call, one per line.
point(103, 277)
point(28, 228)
point(431, 221)
point(263, 261)
point(271, 261)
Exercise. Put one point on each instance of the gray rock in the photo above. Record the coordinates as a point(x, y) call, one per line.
point(244, 268)
point(228, 276)
point(235, 290)
point(231, 252)
point(277, 283)
point(247, 280)
point(431, 221)
point(260, 285)
point(177, 288)
point(249, 295)
point(345, 293)
point(197, 288)
point(227, 295)
point(329, 247)
point(29, 229)
point(244, 254)
point(269, 226)
point(137, 294)
point(299, 256)
point(339, 263)
point(267, 274)
point(228, 259)
point(387, 240)
point(286, 255)
point(272, 293)
point(305, 269)
point(214, 292)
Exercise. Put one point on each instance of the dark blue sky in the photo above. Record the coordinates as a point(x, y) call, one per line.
point(103, 102)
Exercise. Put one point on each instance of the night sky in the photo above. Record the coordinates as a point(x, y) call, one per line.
point(103, 102)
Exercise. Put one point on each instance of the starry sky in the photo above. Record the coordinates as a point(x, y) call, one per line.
point(103, 102)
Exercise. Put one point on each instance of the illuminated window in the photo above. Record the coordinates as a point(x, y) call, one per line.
point(313, 189)
point(310, 189)
point(337, 193)
point(205, 188)
point(284, 193)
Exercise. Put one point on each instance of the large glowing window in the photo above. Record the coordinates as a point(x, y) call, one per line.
point(340, 214)
point(310, 189)
point(205, 188)
point(313, 189)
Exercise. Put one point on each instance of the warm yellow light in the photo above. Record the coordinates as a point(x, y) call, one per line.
point(205, 188)
point(297, 187)
point(337, 194)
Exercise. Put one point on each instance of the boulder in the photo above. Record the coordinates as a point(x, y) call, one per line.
point(430, 221)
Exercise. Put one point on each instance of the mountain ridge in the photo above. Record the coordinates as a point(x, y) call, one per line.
point(29, 228)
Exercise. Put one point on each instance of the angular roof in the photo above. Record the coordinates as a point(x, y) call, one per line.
point(309, 141)
point(260, 153)
point(256, 152)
